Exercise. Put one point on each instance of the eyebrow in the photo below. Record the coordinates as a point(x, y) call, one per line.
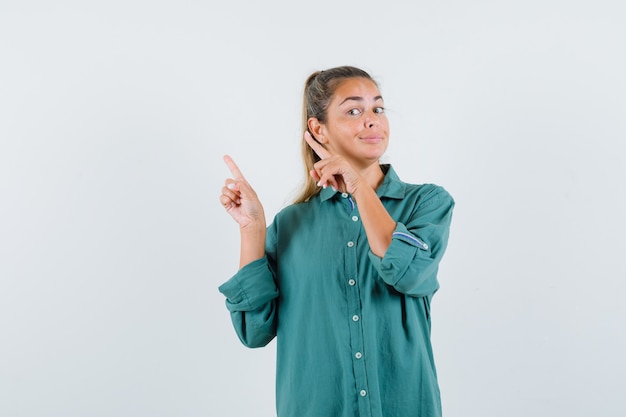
point(358, 98)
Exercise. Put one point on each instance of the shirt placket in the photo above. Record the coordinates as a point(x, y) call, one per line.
point(355, 316)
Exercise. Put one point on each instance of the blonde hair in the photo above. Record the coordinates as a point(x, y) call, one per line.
point(319, 89)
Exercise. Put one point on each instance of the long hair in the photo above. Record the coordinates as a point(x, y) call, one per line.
point(319, 89)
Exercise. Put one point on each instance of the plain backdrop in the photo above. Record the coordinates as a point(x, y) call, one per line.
point(114, 117)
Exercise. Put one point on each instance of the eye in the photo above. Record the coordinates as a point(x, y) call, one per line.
point(354, 112)
point(379, 110)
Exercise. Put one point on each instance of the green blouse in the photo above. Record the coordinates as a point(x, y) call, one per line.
point(352, 329)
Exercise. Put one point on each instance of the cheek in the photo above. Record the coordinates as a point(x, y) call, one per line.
point(385, 125)
point(342, 132)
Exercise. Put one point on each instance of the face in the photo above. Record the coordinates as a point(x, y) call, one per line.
point(356, 126)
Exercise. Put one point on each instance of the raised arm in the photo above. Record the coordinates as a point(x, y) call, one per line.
point(336, 171)
point(241, 202)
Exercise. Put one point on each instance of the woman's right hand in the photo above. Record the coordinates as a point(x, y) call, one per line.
point(240, 200)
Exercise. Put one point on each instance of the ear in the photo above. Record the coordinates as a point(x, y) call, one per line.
point(317, 129)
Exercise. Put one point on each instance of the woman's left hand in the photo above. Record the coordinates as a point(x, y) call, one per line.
point(333, 170)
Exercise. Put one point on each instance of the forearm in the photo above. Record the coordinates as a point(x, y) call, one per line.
point(252, 244)
point(419, 241)
point(251, 299)
point(378, 224)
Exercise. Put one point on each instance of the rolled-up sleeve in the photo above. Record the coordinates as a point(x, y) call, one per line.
point(251, 299)
point(411, 262)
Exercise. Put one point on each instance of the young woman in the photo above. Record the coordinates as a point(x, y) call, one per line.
point(343, 278)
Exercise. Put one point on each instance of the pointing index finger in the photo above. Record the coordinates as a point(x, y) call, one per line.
point(234, 169)
point(317, 148)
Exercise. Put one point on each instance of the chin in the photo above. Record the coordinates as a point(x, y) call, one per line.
point(376, 153)
point(373, 156)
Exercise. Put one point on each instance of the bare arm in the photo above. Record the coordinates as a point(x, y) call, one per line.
point(336, 171)
point(378, 224)
point(241, 202)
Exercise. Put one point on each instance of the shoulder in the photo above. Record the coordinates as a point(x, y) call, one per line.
point(294, 212)
point(295, 209)
point(291, 220)
point(427, 193)
point(429, 203)
point(394, 187)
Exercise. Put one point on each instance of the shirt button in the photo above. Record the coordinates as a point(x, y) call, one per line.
point(358, 355)
point(351, 282)
point(355, 318)
point(363, 393)
point(350, 244)
point(344, 195)
point(354, 218)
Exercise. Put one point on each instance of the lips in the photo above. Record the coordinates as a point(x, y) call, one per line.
point(372, 139)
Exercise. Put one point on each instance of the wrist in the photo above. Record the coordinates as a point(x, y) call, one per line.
point(252, 243)
point(253, 229)
point(362, 190)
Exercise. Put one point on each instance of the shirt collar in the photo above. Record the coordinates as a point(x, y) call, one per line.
point(391, 187)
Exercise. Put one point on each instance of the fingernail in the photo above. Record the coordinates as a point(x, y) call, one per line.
point(231, 186)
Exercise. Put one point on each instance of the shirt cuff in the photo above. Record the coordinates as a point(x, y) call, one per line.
point(250, 288)
point(404, 235)
point(399, 255)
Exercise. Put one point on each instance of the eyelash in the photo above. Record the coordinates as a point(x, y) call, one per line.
point(377, 110)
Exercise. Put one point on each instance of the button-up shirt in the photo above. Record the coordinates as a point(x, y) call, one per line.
point(352, 329)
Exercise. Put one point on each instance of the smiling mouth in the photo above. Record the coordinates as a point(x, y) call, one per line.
point(372, 139)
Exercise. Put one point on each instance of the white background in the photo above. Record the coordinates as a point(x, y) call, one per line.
point(114, 117)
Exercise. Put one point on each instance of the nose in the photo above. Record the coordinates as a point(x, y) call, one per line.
point(371, 120)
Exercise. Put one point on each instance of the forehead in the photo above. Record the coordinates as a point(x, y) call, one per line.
point(355, 87)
